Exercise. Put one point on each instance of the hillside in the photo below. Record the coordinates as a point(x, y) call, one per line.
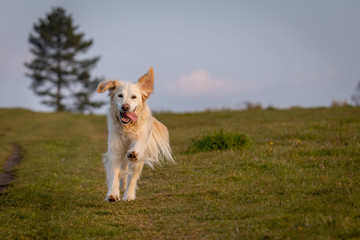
point(297, 179)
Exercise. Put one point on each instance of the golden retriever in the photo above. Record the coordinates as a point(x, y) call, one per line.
point(135, 136)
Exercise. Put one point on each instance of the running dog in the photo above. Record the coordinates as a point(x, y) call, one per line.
point(135, 136)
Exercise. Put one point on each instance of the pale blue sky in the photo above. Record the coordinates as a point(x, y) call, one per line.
point(205, 54)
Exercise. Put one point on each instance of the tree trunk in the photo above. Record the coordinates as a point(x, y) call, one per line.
point(59, 106)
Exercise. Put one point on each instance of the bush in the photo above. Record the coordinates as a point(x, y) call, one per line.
point(336, 103)
point(253, 106)
point(219, 140)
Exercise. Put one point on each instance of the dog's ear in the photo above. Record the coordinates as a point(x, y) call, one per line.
point(107, 84)
point(146, 83)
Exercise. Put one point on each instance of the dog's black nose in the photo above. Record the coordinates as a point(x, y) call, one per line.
point(125, 107)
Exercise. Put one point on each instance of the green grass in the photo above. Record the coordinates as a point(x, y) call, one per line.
point(299, 179)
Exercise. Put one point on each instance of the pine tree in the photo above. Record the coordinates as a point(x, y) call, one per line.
point(356, 97)
point(58, 75)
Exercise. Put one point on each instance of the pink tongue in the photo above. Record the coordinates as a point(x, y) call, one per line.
point(132, 116)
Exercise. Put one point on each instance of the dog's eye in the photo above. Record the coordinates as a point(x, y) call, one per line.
point(133, 97)
point(120, 95)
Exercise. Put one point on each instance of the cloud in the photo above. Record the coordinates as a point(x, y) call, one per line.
point(200, 82)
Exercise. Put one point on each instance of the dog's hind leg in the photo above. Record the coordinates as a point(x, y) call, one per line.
point(134, 175)
point(124, 174)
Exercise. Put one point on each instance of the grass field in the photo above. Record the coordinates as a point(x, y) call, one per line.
point(298, 179)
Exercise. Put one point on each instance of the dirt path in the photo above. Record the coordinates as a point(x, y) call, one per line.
point(7, 172)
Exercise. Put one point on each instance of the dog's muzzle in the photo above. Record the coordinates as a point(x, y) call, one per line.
point(127, 117)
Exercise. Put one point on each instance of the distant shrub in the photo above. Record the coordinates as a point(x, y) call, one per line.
point(270, 107)
point(219, 140)
point(336, 103)
point(253, 106)
point(295, 107)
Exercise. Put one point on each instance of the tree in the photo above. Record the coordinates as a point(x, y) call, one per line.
point(58, 75)
point(356, 97)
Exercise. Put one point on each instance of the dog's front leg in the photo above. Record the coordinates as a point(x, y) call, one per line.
point(137, 149)
point(113, 172)
point(135, 153)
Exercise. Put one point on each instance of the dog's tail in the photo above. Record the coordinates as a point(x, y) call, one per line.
point(159, 144)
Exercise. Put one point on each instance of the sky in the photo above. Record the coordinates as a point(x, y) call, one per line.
point(206, 54)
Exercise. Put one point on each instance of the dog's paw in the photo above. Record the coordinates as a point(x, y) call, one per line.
point(132, 155)
point(113, 198)
point(128, 198)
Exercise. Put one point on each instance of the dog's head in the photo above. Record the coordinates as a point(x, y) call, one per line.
point(128, 97)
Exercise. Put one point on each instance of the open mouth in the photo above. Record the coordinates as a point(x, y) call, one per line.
point(127, 117)
point(124, 118)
